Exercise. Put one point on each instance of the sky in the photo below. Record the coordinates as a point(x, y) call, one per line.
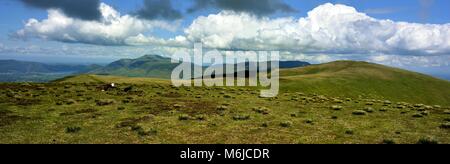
point(411, 34)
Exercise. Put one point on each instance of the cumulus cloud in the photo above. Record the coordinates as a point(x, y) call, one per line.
point(158, 9)
point(408, 61)
point(112, 29)
point(328, 32)
point(256, 7)
point(329, 28)
point(82, 9)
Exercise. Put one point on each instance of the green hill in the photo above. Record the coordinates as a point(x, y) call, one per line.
point(145, 66)
point(155, 66)
point(346, 79)
point(353, 79)
point(338, 104)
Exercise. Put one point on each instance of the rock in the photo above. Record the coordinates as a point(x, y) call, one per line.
point(369, 109)
point(445, 125)
point(222, 108)
point(337, 107)
point(359, 112)
point(105, 102)
point(184, 117)
point(262, 110)
point(241, 117)
point(286, 124)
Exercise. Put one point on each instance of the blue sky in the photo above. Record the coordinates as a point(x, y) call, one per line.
point(428, 20)
point(13, 13)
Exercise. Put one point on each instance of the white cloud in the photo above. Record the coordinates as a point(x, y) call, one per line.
point(408, 61)
point(179, 41)
point(329, 32)
point(332, 29)
point(113, 29)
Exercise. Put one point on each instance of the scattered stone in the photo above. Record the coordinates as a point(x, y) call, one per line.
point(401, 107)
point(262, 110)
point(417, 115)
point(286, 124)
point(127, 89)
point(369, 109)
point(388, 141)
point(418, 105)
point(383, 109)
point(359, 112)
point(337, 107)
point(427, 141)
point(177, 106)
point(427, 107)
point(445, 125)
point(184, 117)
point(241, 117)
point(200, 117)
point(349, 132)
point(70, 102)
point(338, 101)
point(425, 113)
point(105, 102)
point(265, 124)
point(73, 129)
point(222, 108)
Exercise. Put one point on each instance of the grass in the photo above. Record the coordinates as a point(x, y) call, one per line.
point(165, 118)
point(155, 112)
point(349, 79)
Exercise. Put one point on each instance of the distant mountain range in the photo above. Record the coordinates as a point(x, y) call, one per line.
point(146, 66)
point(24, 71)
point(24, 67)
point(159, 67)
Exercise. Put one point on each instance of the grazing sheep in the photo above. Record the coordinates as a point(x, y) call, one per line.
point(107, 87)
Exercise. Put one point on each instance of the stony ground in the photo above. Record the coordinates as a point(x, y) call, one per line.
point(159, 113)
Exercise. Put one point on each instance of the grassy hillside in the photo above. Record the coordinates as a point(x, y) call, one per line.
point(354, 79)
point(111, 79)
point(155, 66)
point(145, 66)
point(143, 110)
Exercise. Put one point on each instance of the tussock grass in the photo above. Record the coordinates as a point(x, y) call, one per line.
point(141, 115)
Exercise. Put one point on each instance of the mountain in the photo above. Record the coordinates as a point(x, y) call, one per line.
point(17, 71)
point(25, 67)
point(353, 79)
point(158, 67)
point(145, 66)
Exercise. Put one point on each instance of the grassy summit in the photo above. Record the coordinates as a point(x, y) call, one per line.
point(339, 102)
point(353, 79)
